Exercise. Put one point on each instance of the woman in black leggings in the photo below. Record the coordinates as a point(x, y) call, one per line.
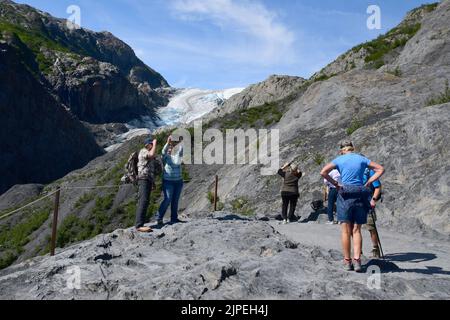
point(289, 192)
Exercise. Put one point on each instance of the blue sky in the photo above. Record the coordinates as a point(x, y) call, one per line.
point(215, 44)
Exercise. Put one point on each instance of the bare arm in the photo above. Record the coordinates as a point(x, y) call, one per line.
point(376, 195)
point(325, 173)
point(152, 152)
point(379, 171)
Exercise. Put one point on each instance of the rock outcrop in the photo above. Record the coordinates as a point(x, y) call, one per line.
point(53, 77)
point(222, 257)
point(97, 76)
point(40, 141)
point(382, 51)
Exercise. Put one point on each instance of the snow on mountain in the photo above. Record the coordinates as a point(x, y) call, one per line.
point(191, 104)
point(184, 107)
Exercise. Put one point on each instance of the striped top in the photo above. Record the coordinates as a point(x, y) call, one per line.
point(172, 163)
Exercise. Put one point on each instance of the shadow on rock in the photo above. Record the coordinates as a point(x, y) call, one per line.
point(384, 265)
point(415, 257)
point(314, 216)
point(232, 217)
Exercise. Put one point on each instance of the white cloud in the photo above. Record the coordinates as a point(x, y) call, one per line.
point(267, 40)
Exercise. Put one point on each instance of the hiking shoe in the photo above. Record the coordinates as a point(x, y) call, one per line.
point(348, 265)
point(357, 265)
point(176, 221)
point(144, 229)
point(376, 253)
point(160, 223)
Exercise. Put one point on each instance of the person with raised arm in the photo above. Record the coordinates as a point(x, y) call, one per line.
point(353, 198)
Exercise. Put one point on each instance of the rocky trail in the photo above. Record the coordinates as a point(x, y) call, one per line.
point(414, 256)
point(225, 256)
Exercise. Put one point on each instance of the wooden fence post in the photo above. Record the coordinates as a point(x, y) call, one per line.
point(55, 222)
point(215, 193)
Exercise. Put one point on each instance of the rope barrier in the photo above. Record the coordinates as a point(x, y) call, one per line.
point(97, 187)
point(53, 193)
point(28, 205)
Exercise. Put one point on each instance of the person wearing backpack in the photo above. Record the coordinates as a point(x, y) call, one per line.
point(353, 200)
point(172, 180)
point(375, 188)
point(145, 181)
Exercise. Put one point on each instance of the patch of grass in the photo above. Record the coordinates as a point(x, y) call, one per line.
point(185, 173)
point(35, 41)
point(264, 116)
point(396, 72)
point(379, 47)
point(319, 159)
point(427, 7)
point(74, 229)
point(115, 174)
point(442, 98)
point(242, 206)
point(7, 259)
point(84, 199)
point(210, 197)
point(354, 125)
point(13, 239)
point(324, 77)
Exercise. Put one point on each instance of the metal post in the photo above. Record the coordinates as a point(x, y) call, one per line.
point(55, 222)
point(215, 193)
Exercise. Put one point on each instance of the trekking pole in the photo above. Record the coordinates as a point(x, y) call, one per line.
point(55, 222)
point(376, 232)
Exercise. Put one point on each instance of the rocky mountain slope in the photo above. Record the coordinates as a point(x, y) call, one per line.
point(97, 76)
point(39, 139)
point(397, 115)
point(59, 86)
point(397, 118)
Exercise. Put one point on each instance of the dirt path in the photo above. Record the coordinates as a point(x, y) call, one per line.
point(418, 258)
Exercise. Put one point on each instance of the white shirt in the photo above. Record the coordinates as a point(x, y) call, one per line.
point(336, 176)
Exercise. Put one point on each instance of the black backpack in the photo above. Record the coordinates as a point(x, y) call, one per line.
point(131, 169)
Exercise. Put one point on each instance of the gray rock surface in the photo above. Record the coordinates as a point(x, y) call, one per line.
point(223, 257)
point(19, 194)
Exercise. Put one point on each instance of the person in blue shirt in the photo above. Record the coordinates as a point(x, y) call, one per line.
point(353, 200)
point(372, 218)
